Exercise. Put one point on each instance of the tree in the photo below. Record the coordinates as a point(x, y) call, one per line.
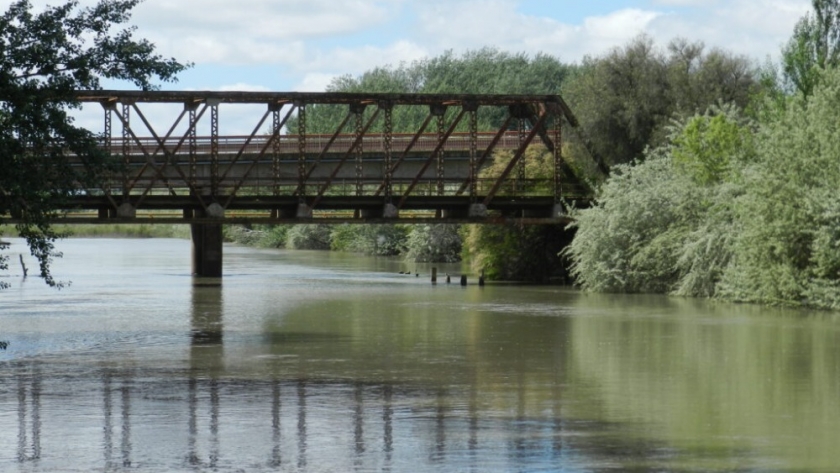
point(815, 45)
point(626, 99)
point(44, 58)
point(666, 224)
point(482, 71)
point(439, 243)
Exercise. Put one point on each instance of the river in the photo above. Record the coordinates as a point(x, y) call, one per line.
point(312, 362)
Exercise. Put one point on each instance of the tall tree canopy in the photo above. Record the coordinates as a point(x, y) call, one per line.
point(483, 71)
point(44, 58)
point(815, 45)
point(626, 98)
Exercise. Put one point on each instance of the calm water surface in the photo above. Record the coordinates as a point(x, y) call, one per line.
point(311, 362)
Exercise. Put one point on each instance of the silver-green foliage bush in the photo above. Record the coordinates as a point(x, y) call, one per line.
point(666, 224)
point(789, 250)
point(726, 209)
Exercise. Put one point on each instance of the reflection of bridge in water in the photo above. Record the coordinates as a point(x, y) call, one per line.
point(360, 172)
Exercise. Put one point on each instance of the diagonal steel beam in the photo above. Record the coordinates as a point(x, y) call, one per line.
point(488, 151)
point(408, 149)
point(438, 149)
point(275, 135)
point(143, 149)
point(245, 145)
point(519, 153)
point(161, 146)
point(356, 142)
point(326, 148)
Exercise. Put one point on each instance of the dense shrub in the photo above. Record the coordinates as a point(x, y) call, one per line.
point(376, 240)
point(309, 237)
point(789, 249)
point(727, 208)
point(666, 224)
point(434, 244)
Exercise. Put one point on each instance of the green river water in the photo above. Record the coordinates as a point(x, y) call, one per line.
point(316, 362)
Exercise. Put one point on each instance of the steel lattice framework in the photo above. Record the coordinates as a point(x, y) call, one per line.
point(280, 173)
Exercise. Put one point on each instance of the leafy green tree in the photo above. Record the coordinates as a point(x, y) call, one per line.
point(438, 243)
point(309, 237)
point(814, 46)
point(626, 99)
point(44, 58)
point(707, 144)
point(483, 71)
point(375, 240)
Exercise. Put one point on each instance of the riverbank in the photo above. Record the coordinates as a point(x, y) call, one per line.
point(113, 230)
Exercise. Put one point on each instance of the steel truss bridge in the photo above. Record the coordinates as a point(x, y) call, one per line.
point(280, 173)
point(361, 171)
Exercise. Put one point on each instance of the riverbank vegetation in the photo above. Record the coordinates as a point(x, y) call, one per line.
point(735, 204)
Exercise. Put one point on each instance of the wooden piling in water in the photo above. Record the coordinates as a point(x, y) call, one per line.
point(463, 279)
point(434, 275)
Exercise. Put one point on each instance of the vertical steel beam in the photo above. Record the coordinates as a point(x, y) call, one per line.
point(356, 142)
point(387, 129)
point(126, 147)
point(275, 147)
point(425, 166)
point(488, 151)
point(193, 144)
point(108, 107)
point(301, 149)
point(473, 155)
point(327, 147)
point(358, 111)
point(214, 146)
point(439, 111)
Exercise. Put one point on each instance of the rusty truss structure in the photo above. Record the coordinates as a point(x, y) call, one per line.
point(281, 172)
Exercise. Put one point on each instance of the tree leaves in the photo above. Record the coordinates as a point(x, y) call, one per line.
point(44, 59)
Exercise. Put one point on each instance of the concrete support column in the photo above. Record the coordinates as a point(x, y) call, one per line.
point(207, 249)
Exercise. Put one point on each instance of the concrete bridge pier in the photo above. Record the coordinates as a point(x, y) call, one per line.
point(207, 242)
point(206, 249)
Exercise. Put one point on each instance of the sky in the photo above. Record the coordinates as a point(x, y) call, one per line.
point(301, 45)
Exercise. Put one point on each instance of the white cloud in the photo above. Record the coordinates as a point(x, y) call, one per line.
point(754, 28)
point(314, 82)
point(340, 61)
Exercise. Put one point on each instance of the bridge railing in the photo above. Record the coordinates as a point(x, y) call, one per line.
point(314, 144)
